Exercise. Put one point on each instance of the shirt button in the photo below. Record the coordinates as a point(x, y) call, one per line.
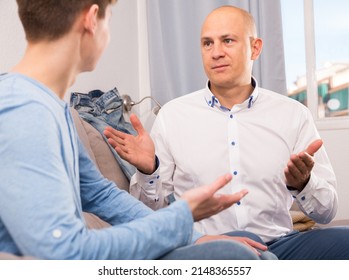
point(158, 177)
point(238, 203)
point(233, 143)
point(231, 116)
point(303, 198)
point(56, 233)
point(235, 173)
point(151, 182)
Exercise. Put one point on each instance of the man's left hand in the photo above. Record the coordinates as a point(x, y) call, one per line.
point(298, 169)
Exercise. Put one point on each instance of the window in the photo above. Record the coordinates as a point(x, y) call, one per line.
point(316, 41)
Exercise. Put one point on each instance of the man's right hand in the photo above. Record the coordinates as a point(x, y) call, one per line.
point(138, 150)
point(205, 202)
point(253, 245)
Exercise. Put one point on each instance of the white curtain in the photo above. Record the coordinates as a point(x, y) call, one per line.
point(174, 44)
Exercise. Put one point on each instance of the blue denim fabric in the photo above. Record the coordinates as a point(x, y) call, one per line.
point(102, 109)
point(213, 250)
point(221, 250)
point(330, 243)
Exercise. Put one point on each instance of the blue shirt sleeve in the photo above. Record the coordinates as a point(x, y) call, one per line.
point(103, 198)
point(41, 198)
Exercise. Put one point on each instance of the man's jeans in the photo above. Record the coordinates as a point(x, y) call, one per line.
point(330, 243)
point(102, 109)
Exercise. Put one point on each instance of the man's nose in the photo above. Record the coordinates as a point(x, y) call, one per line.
point(217, 51)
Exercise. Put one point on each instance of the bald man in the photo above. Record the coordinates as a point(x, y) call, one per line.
point(268, 142)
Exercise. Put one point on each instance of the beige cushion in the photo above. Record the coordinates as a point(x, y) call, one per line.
point(100, 152)
point(80, 128)
point(102, 155)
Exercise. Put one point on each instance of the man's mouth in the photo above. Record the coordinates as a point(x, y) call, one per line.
point(219, 67)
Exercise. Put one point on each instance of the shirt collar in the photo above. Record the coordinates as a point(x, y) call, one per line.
point(212, 100)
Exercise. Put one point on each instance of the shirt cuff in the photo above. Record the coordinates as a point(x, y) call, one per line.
point(148, 181)
point(157, 164)
point(304, 197)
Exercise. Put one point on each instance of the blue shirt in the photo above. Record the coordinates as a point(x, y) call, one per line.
point(47, 179)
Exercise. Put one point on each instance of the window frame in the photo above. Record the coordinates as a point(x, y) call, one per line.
point(326, 123)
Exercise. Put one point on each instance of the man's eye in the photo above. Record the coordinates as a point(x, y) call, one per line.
point(228, 41)
point(207, 44)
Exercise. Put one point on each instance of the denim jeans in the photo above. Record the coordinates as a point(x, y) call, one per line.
point(102, 109)
point(330, 243)
point(221, 250)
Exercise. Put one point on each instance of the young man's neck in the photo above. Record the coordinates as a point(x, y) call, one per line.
point(53, 64)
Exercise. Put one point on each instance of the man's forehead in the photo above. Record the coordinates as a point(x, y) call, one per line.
point(225, 22)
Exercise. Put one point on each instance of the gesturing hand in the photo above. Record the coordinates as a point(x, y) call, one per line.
point(138, 150)
point(204, 202)
point(298, 169)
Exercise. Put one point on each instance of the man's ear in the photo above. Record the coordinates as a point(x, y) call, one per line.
point(91, 18)
point(256, 47)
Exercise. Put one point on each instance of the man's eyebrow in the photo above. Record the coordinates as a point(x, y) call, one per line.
point(229, 36)
point(224, 36)
point(206, 38)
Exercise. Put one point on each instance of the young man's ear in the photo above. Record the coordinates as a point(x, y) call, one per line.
point(91, 18)
point(256, 47)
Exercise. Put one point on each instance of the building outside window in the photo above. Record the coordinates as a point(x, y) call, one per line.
point(317, 55)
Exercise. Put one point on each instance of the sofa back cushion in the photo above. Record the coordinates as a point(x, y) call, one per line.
point(100, 152)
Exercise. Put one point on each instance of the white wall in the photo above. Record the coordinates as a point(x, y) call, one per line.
point(337, 146)
point(12, 43)
point(119, 66)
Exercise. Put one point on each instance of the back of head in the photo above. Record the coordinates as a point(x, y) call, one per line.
point(51, 19)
